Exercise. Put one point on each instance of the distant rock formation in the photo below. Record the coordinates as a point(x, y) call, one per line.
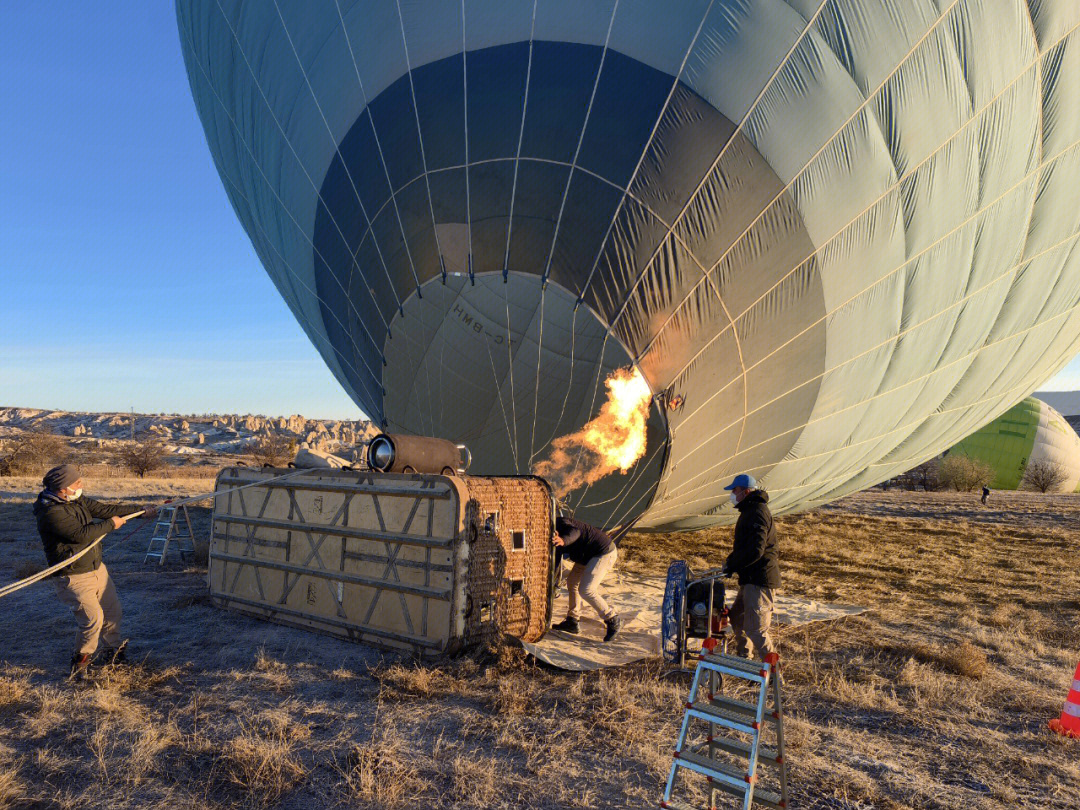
point(191, 435)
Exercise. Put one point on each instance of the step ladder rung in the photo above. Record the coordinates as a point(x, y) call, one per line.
point(742, 749)
point(725, 702)
point(740, 717)
point(769, 798)
point(727, 761)
point(750, 667)
point(707, 766)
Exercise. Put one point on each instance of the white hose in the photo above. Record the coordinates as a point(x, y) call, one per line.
point(30, 580)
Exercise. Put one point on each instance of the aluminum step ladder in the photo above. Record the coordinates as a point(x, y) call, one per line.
point(173, 524)
point(729, 755)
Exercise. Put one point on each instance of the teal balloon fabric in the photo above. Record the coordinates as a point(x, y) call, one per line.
point(834, 236)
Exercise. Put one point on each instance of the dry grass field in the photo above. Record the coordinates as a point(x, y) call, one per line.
point(938, 697)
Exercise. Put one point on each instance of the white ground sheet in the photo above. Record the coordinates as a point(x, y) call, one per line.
point(638, 600)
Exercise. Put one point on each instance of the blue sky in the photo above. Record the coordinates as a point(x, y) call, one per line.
point(127, 280)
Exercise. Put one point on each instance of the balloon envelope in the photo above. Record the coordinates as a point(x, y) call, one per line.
point(835, 236)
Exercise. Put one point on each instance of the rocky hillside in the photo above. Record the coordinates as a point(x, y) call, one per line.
point(206, 435)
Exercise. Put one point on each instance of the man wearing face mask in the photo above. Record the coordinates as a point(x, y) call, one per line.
point(755, 558)
point(68, 522)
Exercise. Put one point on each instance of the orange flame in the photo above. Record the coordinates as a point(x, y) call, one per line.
point(614, 440)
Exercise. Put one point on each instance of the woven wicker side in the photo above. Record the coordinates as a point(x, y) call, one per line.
point(508, 525)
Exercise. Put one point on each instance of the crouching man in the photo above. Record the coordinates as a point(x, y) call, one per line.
point(68, 522)
point(593, 554)
point(755, 559)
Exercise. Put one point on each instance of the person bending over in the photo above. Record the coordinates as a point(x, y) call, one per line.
point(593, 554)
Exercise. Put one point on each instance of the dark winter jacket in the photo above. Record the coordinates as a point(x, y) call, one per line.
point(755, 557)
point(582, 542)
point(67, 527)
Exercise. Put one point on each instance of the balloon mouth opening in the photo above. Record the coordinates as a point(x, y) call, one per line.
point(519, 371)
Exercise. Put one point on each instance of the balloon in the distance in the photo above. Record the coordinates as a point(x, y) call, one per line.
point(1030, 446)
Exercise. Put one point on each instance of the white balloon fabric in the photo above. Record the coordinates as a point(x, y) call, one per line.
point(835, 236)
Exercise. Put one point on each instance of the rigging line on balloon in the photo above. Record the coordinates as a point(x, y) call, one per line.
point(628, 512)
point(382, 159)
point(753, 106)
point(592, 403)
point(296, 155)
point(731, 140)
point(517, 160)
point(1040, 122)
point(510, 361)
point(498, 391)
point(536, 393)
point(969, 355)
point(899, 465)
point(465, 104)
point(848, 476)
point(631, 479)
point(978, 213)
point(420, 136)
point(907, 428)
point(887, 193)
point(581, 140)
point(344, 165)
point(429, 341)
point(558, 218)
point(569, 383)
point(637, 166)
point(290, 215)
point(425, 346)
point(293, 276)
point(644, 152)
point(1040, 167)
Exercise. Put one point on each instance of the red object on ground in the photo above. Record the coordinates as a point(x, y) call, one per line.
point(708, 645)
point(1069, 723)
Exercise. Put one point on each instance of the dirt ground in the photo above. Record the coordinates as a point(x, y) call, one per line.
point(938, 697)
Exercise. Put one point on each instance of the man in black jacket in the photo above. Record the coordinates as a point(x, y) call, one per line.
point(69, 522)
point(594, 554)
point(755, 558)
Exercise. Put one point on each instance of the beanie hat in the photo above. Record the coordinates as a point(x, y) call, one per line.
point(61, 477)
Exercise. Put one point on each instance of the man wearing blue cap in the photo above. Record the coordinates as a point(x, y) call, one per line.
point(754, 557)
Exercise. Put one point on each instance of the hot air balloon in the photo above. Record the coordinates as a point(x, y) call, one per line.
point(1030, 432)
point(833, 237)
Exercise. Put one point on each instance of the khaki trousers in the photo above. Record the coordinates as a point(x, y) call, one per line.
point(93, 600)
point(585, 581)
point(751, 618)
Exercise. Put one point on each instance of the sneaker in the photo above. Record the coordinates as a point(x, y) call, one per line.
point(80, 667)
point(614, 625)
point(117, 656)
point(568, 625)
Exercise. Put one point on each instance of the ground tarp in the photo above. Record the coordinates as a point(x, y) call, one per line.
point(637, 599)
